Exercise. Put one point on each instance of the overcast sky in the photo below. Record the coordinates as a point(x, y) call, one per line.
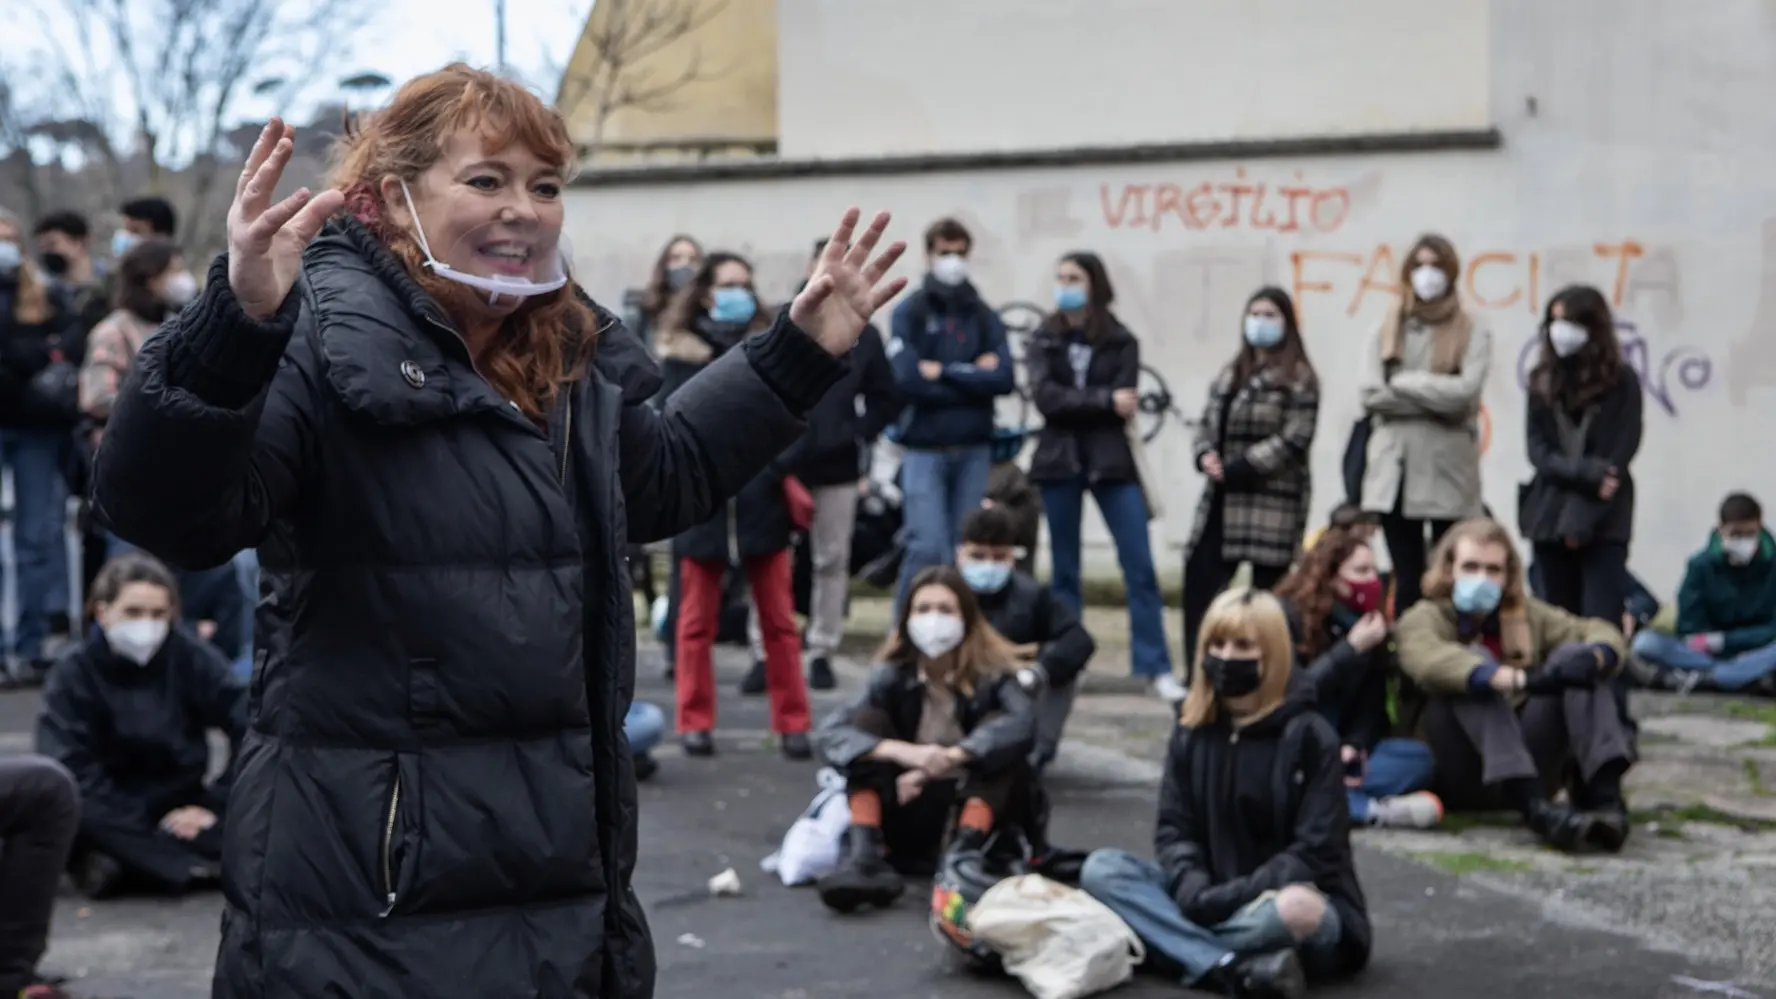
point(414, 36)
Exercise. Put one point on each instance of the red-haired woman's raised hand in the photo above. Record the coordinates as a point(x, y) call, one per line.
point(846, 288)
point(265, 240)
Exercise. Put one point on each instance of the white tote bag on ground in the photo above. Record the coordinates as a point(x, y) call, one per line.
point(811, 847)
point(1059, 941)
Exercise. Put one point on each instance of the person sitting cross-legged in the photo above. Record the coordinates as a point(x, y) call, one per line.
point(1254, 889)
point(943, 720)
point(1726, 610)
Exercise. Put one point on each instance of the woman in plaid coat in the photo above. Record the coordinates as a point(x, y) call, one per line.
point(1253, 444)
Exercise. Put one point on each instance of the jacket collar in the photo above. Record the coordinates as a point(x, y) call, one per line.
point(389, 351)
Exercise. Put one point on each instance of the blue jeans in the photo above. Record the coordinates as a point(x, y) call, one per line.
point(1728, 672)
point(1135, 889)
point(246, 575)
point(1125, 512)
point(643, 725)
point(1396, 767)
point(938, 489)
point(39, 522)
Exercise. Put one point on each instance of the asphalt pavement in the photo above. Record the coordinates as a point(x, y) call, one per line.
point(1436, 935)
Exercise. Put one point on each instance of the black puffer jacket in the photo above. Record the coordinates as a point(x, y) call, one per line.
point(998, 720)
point(755, 521)
point(1081, 433)
point(435, 797)
point(1242, 813)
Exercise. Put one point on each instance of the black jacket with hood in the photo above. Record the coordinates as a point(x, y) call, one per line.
point(1082, 433)
point(1257, 809)
point(135, 735)
point(434, 796)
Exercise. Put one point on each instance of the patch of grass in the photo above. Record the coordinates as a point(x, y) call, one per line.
point(1583, 869)
point(1674, 830)
point(1755, 778)
point(1751, 711)
point(1450, 862)
point(1678, 816)
point(1456, 823)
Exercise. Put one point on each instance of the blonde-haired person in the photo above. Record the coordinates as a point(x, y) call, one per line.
point(1256, 906)
point(943, 719)
point(1427, 372)
point(1513, 694)
point(40, 351)
point(394, 390)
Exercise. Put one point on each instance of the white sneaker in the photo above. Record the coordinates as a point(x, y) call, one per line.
point(1418, 810)
point(1166, 687)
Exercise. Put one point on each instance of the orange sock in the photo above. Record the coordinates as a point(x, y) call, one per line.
point(866, 809)
point(976, 814)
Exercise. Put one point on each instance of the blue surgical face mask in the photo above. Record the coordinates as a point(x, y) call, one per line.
point(986, 577)
point(1476, 595)
point(9, 257)
point(1069, 297)
point(121, 242)
point(1264, 332)
point(732, 305)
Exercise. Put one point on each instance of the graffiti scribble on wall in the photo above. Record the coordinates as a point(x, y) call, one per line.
point(1229, 204)
point(1662, 375)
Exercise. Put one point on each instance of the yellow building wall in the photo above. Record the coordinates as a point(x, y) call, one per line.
point(729, 103)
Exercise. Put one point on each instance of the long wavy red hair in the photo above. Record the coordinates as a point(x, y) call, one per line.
point(1310, 586)
point(547, 343)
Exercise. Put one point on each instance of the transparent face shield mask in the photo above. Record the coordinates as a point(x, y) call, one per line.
point(501, 289)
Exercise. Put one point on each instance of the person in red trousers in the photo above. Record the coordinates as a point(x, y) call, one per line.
point(710, 316)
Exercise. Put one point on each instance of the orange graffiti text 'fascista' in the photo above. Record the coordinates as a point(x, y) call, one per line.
point(1493, 279)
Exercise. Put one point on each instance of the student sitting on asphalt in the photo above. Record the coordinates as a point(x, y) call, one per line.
point(1341, 631)
point(1726, 610)
point(1252, 892)
point(1513, 694)
point(643, 726)
point(942, 720)
point(39, 813)
point(127, 714)
point(1047, 632)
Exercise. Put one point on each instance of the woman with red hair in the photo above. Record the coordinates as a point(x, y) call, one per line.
point(393, 389)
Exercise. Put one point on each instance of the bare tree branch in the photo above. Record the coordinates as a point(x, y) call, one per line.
point(622, 34)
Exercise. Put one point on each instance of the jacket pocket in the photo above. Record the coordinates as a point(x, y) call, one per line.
point(398, 837)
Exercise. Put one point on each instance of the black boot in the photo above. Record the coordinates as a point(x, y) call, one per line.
point(1275, 975)
point(796, 746)
point(98, 875)
point(645, 766)
point(1560, 826)
point(1600, 799)
point(820, 674)
point(753, 683)
point(863, 876)
point(699, 744)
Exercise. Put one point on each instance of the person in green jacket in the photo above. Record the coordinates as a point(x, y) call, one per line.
point(1726, 610)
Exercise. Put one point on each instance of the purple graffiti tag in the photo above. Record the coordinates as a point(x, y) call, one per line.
point(1689, 368)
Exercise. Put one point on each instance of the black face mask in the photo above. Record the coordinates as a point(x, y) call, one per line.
point(55, 263)
point(1231, 677)
point(678, 277)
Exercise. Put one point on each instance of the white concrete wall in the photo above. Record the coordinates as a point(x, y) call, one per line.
point(918, 76)
point(1643, 168)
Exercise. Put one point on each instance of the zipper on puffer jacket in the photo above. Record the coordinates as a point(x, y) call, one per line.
point(389, 870)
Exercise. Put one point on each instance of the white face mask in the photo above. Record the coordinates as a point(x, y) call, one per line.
point(950, 269)
point(179, 289)
point(1740, 550)
point(1429, 283)
point(934, 633)
point(498, 286)
point(136, 640)
point(9, 257)
point(1566, 337)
